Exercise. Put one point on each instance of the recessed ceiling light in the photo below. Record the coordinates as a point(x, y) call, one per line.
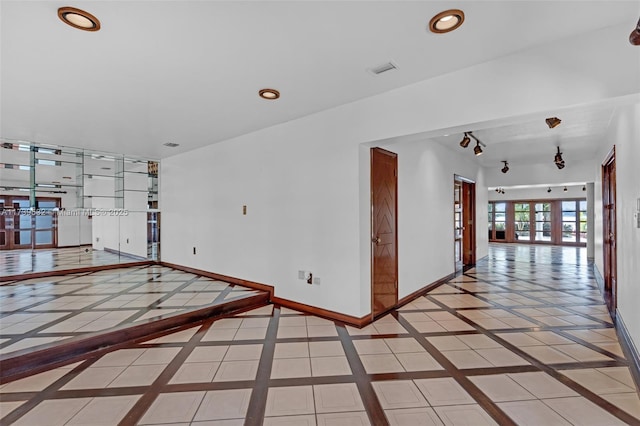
point(446, 21)
point(270, 94)
point(171, 144)
point(78, 19)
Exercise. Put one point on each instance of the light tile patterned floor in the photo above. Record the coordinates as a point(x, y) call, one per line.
point(44, 310)
point(509, 342)
point(16, 262)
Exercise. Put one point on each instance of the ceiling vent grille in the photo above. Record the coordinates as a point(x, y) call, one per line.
point(389, 66)
point(171, 144)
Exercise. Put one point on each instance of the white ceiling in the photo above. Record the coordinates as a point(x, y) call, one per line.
point(189, 71)
point(531, 141)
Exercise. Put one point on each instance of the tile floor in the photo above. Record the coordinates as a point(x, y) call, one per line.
point(509, 342)
point(43, 310)
point(16, 262)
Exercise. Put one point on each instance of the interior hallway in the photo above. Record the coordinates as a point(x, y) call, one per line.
point(524, 338)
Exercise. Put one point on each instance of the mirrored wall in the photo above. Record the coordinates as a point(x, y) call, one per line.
point(64, 208)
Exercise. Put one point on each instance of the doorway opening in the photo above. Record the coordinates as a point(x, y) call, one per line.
point(609, 230)
point(464, 212)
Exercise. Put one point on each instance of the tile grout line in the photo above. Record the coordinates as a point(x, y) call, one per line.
point(458, 375)
point(258, 400)
point(586, 393)
point(374, 410)
point(152, 392)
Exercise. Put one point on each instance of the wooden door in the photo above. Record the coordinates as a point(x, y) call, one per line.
point(609, 228)
point(458, 225)
point(468, 220)
point(384, 241)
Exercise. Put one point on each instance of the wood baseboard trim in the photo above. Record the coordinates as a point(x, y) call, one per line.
point(424, 290)
point(232, 280)
point(84, 269)
point(323, 313)
point(599, 279)
point(28, 361)
point(629, 349)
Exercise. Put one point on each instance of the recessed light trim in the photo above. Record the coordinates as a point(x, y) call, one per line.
point(446, 21)
point(79, 19)
point(269, 94)
point(171, 144)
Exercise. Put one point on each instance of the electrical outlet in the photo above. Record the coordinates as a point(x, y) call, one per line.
point(301, 275)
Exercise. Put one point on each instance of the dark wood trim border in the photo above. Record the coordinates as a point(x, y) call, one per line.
point(358, 322)
point(424, 290)
point(226, 278)
point(324, 313)
point(29, 361)
point(30, 275)
point(629, 349)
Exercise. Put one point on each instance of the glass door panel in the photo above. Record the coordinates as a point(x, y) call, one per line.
point(543, 222)
point(569, 219)
point(522, 220)
point(500, 221)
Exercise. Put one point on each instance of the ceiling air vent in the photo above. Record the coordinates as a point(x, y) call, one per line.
point(383, 68)
point(171, 144)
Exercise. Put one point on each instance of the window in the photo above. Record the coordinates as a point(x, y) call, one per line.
point(542, 223)
point(539, 221)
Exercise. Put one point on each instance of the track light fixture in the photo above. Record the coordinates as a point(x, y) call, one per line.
point(565, 189)
point(500, 190)
point(465, 141)
point(584, 188)
point(478, 149)
point(558, 160)
point(549, 189)
point(553, 122)
point(634, 37)
point(505, 169)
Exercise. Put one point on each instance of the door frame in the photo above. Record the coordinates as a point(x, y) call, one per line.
point(375, 314)
point(609, 232)
point(468, 204)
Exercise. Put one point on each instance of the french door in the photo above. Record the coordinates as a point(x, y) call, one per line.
point(22, 227)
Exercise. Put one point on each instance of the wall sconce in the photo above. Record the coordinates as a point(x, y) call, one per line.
point(505, 169)
point(558, 160)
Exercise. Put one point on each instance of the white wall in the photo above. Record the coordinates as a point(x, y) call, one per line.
point(305, 182)
point(425, 212)
point(625, 135)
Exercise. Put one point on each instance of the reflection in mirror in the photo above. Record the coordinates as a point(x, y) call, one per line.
point(63, 208)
